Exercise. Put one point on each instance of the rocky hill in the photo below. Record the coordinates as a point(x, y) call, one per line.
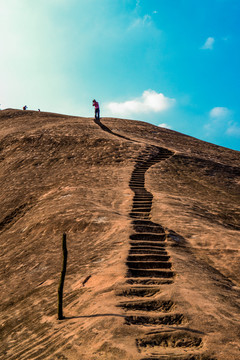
point(152, 220)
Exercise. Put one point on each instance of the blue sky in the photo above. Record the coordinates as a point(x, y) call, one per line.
point(172, 63)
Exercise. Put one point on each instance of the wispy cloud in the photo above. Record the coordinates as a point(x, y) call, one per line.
point(137, 3)
point(208, 45)
point(220, 119)
point(149, 102)
point(164, 125)
point(225, 38)
point(233, 130)
point(144, 21)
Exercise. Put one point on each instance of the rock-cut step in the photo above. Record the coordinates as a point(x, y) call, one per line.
point(136, 215)
point(141, 292)
point(140, 244)
point(141, 208)
point(136, 273)
point(190, 356)
point(150, 305)
point(149, 282)
point(136, 183)
point(140, 225)
point(149, 265)
point(149, 245)
point(142, 203)
point(177, 339)
point(148, 258)
point(147, 251)
point(142, 320)
point(148, 237)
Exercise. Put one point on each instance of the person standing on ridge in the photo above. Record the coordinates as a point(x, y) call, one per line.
point(97, 110)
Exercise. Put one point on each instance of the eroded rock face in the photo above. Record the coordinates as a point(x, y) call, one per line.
point(152, 224)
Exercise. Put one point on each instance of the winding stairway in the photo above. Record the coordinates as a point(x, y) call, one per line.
point(149, 269)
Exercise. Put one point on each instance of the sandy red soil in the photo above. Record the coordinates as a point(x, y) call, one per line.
point(152, 219)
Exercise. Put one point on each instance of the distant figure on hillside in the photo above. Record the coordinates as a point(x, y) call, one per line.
point(25, 107)
point(97, 110)
point(39, 110)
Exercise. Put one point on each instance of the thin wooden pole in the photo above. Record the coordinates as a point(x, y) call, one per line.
point(63, 273)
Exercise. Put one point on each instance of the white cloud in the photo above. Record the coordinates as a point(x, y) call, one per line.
point(137, 3)
point(219, 113)
point(164, 125)
point(208, 44)
point(220, 120)
point(144, 21)
point(233, 130)
point(150, 101)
